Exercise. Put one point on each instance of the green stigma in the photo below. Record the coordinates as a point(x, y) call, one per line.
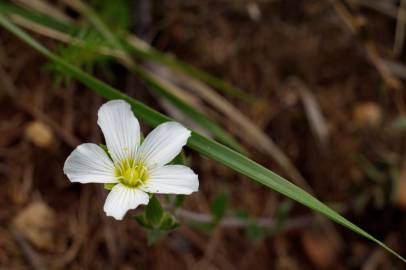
point(131, 173)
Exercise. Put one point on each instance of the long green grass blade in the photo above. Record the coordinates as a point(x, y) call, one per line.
point(200, 118)
point(201, 144)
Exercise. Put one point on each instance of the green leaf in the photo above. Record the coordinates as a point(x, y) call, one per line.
point(241, 214)
point(280, 216)
point(143, 221)
point(219, 206)
point(154, 235)
point(106, 150)
point(155, 231)
point(201, 144)
point(179, 159)
point(175, 200)
point(169, 222)
point(109, 186)
point(370, 169)
point(201, 226)
point(154, 211)
point(254, 232)
point(104, 147)
point(179, 199)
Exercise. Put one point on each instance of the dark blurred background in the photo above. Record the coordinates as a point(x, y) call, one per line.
point(327, 81)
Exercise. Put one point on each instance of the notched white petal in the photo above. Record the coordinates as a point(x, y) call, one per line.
point(120, 128)
point(88, 163)
point(163, 144)
point(172, 179)
point(121, 199)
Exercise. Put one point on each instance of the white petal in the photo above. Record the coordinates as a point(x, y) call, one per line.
point(163, 144)
point(88, 163)
point(121, 199)
point(120, 128)
point(172, 179)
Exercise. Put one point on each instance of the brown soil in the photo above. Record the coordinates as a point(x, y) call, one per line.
point(301, 40)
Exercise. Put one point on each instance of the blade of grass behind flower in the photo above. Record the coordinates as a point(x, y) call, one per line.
point(201, 144)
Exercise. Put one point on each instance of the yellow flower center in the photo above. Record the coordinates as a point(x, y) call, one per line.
point(131, 173)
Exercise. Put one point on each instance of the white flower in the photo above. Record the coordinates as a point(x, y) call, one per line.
point(134, 169)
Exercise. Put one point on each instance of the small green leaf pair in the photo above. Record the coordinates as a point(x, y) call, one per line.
point(156, 220)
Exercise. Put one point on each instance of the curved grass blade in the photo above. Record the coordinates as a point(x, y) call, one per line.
point(253, 133)
point(215, 99)
point(201, 144)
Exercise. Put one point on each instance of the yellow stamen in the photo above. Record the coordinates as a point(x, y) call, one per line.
point(132, 174)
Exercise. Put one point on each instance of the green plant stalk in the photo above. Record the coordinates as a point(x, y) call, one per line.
point(201, 144)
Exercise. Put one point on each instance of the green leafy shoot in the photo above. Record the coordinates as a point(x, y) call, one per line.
point(84, 55)
point(254, 232)
point(156, 221)
point(154, 211)
point(281, 214)
point(218, 208)
point(116, 14)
